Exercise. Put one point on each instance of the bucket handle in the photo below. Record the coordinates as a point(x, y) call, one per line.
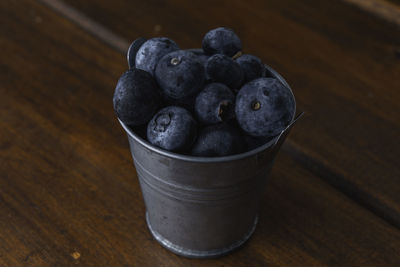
point(286, 131)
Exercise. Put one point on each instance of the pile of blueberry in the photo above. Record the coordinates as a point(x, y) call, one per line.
point(208, 102)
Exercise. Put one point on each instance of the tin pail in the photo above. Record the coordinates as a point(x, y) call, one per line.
point(202, 207)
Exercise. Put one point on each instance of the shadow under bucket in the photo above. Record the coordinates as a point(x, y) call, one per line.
point(203, 207)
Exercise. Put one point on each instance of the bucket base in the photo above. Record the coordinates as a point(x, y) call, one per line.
point(200, 253)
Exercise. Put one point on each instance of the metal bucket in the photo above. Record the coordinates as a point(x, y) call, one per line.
point(202, 207)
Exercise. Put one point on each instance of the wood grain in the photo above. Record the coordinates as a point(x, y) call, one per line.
point(88, 24)
point(342, 63)
point(68, 191)
point(388, 10)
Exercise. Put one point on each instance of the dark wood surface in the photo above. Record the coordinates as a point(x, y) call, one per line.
point(68, 190)
point(342, 63)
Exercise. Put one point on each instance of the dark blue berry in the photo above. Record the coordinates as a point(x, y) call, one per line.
point(132, 51)
point(264, 107)
point(180, 75)
point(218, 140)
point(223, 69)
point(201, 56)
point(172, 128)
point(251, 66)
point(221, 41)
point(152, 51)
point(137, 97)
point(215, 104)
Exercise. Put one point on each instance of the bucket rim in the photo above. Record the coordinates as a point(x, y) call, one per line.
point(197, 159)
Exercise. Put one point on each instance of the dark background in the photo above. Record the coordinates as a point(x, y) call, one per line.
point(68, 190)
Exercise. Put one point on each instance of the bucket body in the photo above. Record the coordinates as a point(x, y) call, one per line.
point(202, 207)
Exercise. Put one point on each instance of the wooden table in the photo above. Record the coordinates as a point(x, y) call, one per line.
point(68, 190)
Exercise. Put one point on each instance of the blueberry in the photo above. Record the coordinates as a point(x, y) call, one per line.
point(223, 69)
point(251, 66)
point(221, 41)
point(132, 51)
point(152, 51)
point(264, 107)
point(137, 97)
point(202, 57)
point(199, 53)
point(180, 75)
point(215, 104)
point(172, 128)
point(218, 140)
